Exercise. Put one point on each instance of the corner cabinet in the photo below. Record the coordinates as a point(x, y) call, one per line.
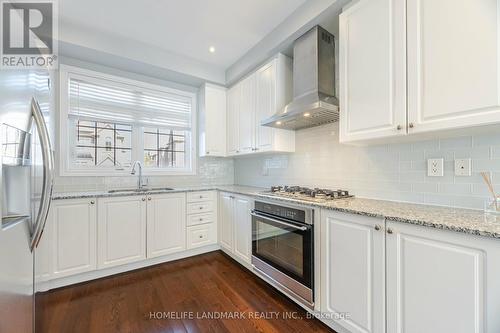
point(254, 99)
point(418, 66)
point(212, 117)
point(121, 230)
point(235, 226)
point(352, 271)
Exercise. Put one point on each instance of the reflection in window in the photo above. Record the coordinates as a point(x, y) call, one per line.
point(102, 144)
point(164, 148)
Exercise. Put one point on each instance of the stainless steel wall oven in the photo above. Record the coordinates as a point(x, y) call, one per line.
point(283, 248)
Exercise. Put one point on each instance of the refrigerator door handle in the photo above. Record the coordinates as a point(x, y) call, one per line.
point(48, 174)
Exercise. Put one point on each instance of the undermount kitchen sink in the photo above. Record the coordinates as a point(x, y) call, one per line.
point(139, 190)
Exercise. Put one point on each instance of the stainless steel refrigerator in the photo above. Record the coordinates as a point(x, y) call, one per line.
point(27, 167)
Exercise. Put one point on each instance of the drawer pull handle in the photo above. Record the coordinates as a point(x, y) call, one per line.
point(201, 196)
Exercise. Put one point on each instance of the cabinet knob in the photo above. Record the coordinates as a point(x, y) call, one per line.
point(389, 231)
point(201, 196)
point(143, 199)
point(149, 198)
point(399, 128)
point(201, 219)
point(201, 207)
point(92, 202)
point(200, 236)
point(377, 227)
point(410, 125)
point(237, 152)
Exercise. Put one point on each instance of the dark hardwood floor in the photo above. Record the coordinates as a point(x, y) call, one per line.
point(181, 294)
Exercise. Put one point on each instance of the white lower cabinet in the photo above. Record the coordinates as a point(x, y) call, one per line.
point(68, 244)
point(235, 231)
point(441, 281)
point(429, 280)
point(352, 271)
point(121, 230)
point(166, 224)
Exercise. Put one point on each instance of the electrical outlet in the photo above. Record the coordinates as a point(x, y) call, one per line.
point(463, 167)
point(435, 167)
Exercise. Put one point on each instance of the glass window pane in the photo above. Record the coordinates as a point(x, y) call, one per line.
point(179, 145)
point(84, 157)
point(105, 138)
point(123, 139)
point(105, 157)
point(179, 159)
point(150, 130)
point(150, 141)
point(166, 142)
point(164, 131)
point(124, 158)
point(85, 136)
point(165, 159)
point(150, 158)
point(181, 133)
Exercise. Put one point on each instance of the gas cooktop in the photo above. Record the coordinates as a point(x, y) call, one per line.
point(307, 194)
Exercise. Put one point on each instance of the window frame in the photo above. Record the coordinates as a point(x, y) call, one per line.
point(65, 165)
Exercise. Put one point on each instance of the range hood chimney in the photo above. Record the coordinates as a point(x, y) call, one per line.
point(314, 102)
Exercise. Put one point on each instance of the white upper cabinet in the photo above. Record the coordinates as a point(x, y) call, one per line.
point(233, 111)
point(273, 92)
point(166, 224)
point(247, 116)
point(453, 64)
point(449, 51)
point(255, 98)
point(372, 67)
point(212, 117)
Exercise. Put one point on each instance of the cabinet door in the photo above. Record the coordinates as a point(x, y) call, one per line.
point(247, 116)
point(453, 67)
point(372, 69)
point(215, 119)
point(226, 221)
point(121, 230)
point(166, 224)
point(233, 110)
point(242, 221)
point(352, 271)
point(72, 227)
point(435, 283)
point(265, 104)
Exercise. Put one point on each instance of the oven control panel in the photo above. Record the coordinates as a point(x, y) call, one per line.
point(289, 213)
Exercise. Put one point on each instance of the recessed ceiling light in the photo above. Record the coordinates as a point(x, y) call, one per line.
point(278, 123)
point(211, 49)
point(307, 114)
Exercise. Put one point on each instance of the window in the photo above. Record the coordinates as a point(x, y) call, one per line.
point(110, 122)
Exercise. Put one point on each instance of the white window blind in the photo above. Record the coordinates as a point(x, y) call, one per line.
point(105, 100)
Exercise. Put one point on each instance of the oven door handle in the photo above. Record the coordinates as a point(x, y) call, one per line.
point(301, 228)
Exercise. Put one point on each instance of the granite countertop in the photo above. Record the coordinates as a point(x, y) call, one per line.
point(461, 220)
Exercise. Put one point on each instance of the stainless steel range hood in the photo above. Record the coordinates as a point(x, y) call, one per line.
point(314, 102)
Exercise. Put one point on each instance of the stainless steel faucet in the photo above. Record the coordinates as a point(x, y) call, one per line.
point(140, 180)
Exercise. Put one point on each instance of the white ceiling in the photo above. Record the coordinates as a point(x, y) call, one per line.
point(184, 27)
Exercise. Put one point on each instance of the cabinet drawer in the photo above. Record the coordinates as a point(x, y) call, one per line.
point(200, 196)
point(196, 219)
point(201, 235)
point(200, 207)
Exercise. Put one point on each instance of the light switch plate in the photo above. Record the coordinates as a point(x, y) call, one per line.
point(435, 167)
point(463, 167)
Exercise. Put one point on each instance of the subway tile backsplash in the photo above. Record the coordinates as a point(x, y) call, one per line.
point(391, 172)
point(211, 171)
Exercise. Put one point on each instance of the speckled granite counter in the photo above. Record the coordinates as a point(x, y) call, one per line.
point(461, 220)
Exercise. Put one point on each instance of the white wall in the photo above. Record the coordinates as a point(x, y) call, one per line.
point(393, 172)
